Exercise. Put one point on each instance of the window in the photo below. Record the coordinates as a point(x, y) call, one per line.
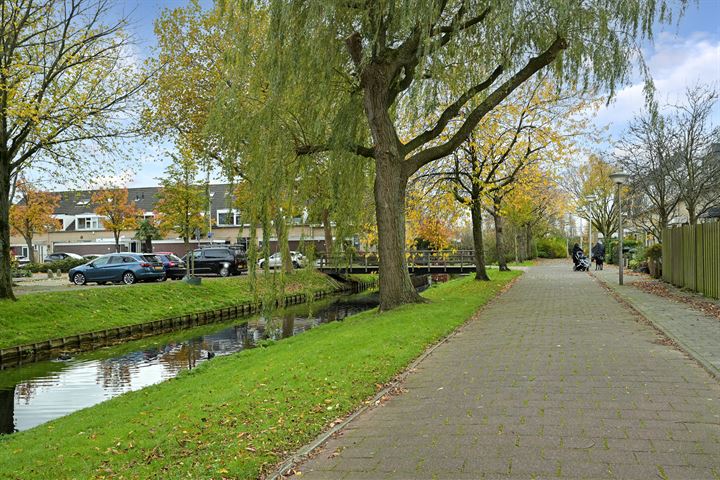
point(228, 217)
point(115, 259)
point(102, 261)
point(89, 223)
point(215, 253)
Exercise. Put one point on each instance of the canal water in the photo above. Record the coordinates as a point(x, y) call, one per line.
point(36, 393)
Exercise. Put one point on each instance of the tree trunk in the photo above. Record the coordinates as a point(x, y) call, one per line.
point(476, 214)
point(117, 241)
point(396, 288)
point(189, 271)
point(148, 245)
point(327, 228)
point(31, 251)
point(284, 246)
point(692, 217)
point(500, 251)
point(528, 243)
point(5, 275)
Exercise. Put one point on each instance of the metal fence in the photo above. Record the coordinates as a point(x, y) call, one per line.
point(691, 257)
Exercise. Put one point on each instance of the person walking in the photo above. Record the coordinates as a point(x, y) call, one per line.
point(598, 254)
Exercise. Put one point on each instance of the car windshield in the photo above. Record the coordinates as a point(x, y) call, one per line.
point(151, 258)
point(173, 258)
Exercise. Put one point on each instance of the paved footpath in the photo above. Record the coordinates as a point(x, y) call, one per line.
point(556, 379)
point(697, 333)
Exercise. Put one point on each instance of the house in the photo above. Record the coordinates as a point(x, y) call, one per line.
point(82, 230)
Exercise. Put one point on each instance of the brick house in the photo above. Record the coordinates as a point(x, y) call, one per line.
point(82, 230)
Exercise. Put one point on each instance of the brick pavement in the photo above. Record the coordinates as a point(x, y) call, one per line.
point(556, 379)
point(697, 333)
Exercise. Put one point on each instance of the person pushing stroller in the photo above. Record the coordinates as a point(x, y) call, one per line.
point(598, 255)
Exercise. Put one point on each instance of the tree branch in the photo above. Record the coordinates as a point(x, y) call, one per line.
point(533, 65)
point(360, 150)
point(450, 112)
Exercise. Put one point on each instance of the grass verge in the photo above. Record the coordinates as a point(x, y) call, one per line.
point(41, 316)
point(237, 416)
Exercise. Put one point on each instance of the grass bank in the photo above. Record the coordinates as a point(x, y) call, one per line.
point(237, 416)
point(40, 316)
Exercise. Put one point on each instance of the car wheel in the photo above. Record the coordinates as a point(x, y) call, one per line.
point(224, 272)
point(79, 279)
point(296, 265)
point(128, 278)
point(162, 279)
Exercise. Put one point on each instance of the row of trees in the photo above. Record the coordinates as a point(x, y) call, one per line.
point(356, 96)
point(672, 152)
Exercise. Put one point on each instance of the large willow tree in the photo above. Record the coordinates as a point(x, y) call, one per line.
point(358, 74)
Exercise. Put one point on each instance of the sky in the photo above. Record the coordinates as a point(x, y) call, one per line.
point(681, 56)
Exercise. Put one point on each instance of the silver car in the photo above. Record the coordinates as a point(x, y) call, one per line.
point(275, 260)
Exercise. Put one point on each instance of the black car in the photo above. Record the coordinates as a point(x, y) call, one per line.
point(223, 261)
point(174, 266)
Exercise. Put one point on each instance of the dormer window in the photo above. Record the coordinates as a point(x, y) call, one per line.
point(89, 222)
point(228, 218)
point(83, 202)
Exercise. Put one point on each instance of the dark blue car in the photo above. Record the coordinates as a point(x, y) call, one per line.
point(174, 266)
point(127, 268)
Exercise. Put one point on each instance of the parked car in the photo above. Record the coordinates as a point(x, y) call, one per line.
point(223, 261)
point(174, 266)
point(275, 260)
point(54, 257)
point(127, 268)
point(22, 260)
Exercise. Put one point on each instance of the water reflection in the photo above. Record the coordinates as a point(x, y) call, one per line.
point(36, 393)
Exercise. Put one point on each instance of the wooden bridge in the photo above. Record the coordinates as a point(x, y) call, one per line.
point(419, 262)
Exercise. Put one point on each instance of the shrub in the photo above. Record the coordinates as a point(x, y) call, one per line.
point(654, 252)
point(552, 247)
point(63, 265)
point(20, 273)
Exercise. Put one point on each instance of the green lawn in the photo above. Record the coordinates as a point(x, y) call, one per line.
point(41, 316)
point(237, 416)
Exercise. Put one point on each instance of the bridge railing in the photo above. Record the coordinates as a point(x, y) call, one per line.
point(414, 258)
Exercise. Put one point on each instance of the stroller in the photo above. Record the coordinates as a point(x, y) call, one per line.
point(582, 262)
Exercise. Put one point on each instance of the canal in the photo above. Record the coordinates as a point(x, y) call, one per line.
point(38, 392)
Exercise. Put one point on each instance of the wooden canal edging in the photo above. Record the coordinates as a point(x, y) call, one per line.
point(156, 327)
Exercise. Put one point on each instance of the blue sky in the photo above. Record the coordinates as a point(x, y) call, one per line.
point(682, 55)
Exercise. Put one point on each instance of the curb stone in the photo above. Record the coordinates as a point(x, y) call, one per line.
point(690, 351)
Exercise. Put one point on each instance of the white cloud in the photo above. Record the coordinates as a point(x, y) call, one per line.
point(675, 64)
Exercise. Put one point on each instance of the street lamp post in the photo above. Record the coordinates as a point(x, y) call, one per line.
point(620, 178)
point(590, 199)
